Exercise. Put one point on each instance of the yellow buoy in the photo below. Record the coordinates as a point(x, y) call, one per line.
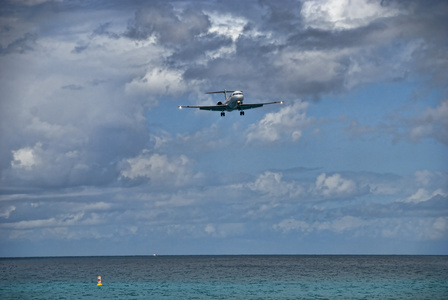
point(99, 281)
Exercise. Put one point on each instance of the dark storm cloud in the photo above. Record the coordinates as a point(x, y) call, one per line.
point(198, 47)
point(320, 39)
point(369, 46)
point(425, 23)
point(252, 61)
point(104, 29)
point(21, 45)
point(282, 16)
point(276, 37)
point(80, 49)
point(73, 87)
point(170, 29)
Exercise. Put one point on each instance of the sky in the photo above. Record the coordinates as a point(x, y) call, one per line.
point(97, 159)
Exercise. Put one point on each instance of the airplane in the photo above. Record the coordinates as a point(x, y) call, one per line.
point(233, 102)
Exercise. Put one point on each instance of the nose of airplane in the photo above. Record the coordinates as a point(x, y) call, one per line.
point(239, 98)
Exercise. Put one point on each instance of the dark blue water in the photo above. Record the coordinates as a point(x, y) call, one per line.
point(226, 277)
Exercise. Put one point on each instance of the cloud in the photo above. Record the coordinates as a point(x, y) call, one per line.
point(346, 223)
point(432, 123)
point(293, 224)
point(325, 187)
point(170, 28)
point(334, 186)
point(6, 211)
point(225, 230)
point(423, 177)
point(157, 82)
point(344, 14)
point(33, 2)
point(421, 229)
point(326, 46)
point(356, 130)
point(159, 169)
point(21, 45)
point(422, 195)
point(405, 228)
point(104, 29)
point(58, 221)
point(271, 183)
point(227, 24)
point(27, 157)
point(72, 87)
point(289, 122)
point(77, 127)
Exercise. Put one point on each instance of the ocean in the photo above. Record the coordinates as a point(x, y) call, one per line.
point(226, 277)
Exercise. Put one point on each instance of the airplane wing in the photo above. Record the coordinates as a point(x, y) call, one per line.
point(224, 107)
point(206, 107)
point(255, 105)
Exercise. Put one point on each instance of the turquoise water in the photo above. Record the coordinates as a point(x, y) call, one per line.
point(226, 277)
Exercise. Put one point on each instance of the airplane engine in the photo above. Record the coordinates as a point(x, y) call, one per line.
point(219, 103)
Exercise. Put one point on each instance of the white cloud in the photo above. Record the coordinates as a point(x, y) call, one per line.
point(423, 177)
point(324, 187)
point(345, 223)
point(210, 229)
point(433, 122)
point(162, 139)
point(97, 206)
point(291, 224)
point(289, 122)
point(55, 131)
point(159, 168)
point(422, 195)
point(6, 212)
point(343, 14)
point(59, 221)
point(226, 24)
point(334, 186)
point(441, 224)
point(26, 158)
point(158, 81)
point(271, 183)
point(224, 230)
point(310, 66)
point(420, 229)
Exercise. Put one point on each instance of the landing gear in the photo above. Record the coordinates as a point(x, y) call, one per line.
point(242, 113)
point(223, 114)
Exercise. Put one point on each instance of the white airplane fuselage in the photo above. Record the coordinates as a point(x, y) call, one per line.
point(233, 101)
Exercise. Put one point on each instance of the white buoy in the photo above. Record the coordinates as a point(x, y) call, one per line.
point(99, 281)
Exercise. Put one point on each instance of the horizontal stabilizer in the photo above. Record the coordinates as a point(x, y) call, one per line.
point(220, 92)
